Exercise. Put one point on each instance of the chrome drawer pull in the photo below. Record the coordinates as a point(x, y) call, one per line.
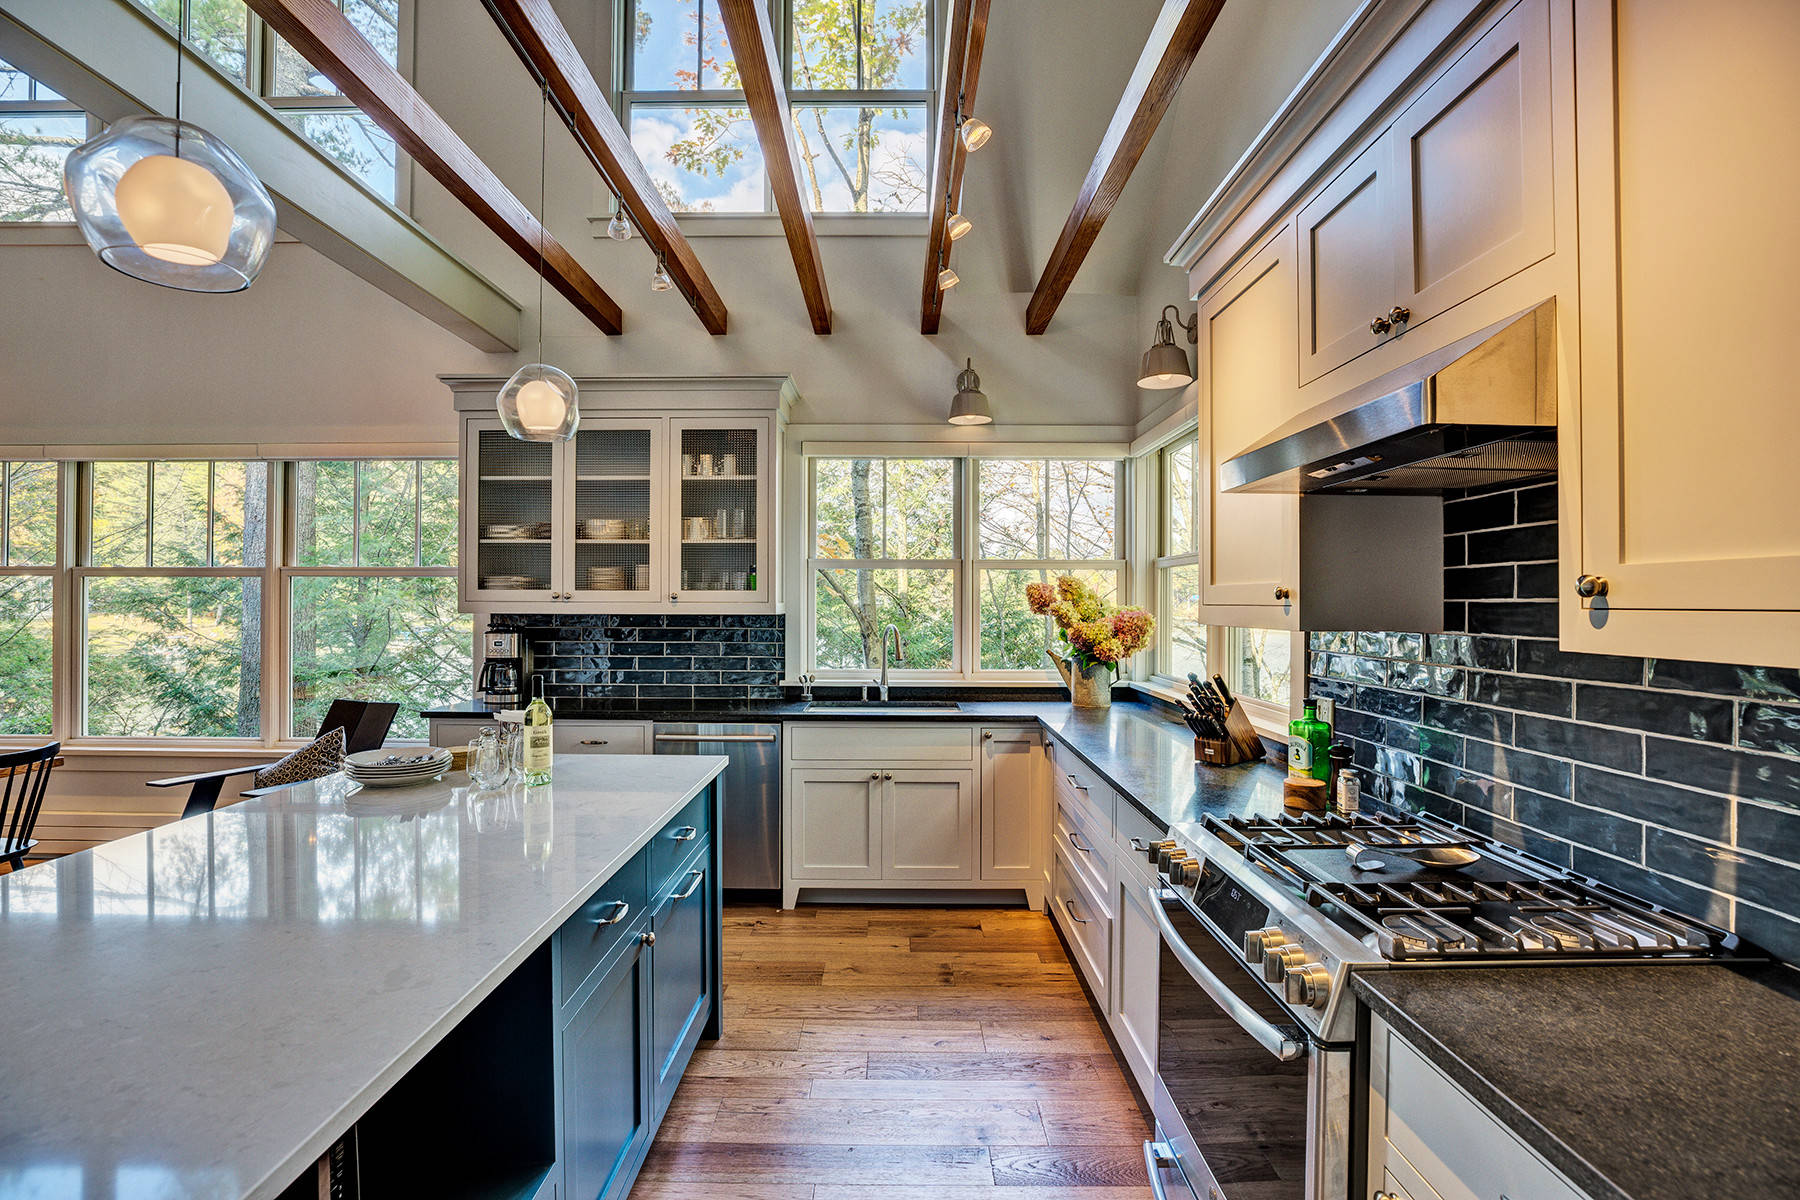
point(1069, 907)
point(1159, 1157)
point(593, 741)
point(1141, 846)
point(1076, 842)
point(620, 908)
point(713, 737)
point(686, 833)
point(1077, 784)
point(694, 885)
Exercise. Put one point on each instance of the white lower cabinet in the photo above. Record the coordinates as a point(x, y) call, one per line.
point(1085, 924)
point(1430, 1140)
point(928, 825)
point(1137, 957)
point(913, 806)
point(834, 824)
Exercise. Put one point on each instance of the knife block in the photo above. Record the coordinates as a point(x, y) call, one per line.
point(1240, 744)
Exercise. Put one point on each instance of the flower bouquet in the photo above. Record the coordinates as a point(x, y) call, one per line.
point(1098, 636)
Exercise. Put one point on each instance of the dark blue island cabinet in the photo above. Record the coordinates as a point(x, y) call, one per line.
point(553, 1086)
point(638, 984)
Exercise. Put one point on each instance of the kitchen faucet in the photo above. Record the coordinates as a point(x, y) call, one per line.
point(893, 631)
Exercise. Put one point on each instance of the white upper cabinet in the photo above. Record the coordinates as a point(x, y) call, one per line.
point(1247, 388)
point(1347, 265)
point(1678, 460)
point(1473, 201)
point(641, 511)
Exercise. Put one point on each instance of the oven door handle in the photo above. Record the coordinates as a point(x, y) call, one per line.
point(1269, 1036)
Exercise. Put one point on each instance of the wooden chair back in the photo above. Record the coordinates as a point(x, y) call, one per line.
point(24, 778)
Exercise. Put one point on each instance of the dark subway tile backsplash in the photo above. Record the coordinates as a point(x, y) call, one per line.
point(678, 658)
point(1676, 781)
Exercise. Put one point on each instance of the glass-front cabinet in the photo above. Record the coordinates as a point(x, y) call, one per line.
point(634, 514)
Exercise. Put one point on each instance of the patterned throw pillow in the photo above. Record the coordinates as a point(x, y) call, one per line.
point(318, 758)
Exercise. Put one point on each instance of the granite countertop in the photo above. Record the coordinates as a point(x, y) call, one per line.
point(1637, 1082)
point(1138, 747)
point(201, 1009)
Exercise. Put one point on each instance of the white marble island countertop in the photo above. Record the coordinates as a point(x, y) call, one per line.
point(201, 1009)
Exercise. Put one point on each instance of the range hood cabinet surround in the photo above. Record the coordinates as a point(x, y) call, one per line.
point(1481, 410)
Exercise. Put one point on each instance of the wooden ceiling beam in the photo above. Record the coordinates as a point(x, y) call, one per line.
point(327, 40)
point(540, 39)
point(759, 70)
point(1175, 39)
point(965, 36)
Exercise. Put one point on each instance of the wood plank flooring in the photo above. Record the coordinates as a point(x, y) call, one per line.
point(878, 1053)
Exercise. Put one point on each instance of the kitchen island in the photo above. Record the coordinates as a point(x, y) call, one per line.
point(495, 992)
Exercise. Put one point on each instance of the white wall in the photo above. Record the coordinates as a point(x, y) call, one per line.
point(1253, 59)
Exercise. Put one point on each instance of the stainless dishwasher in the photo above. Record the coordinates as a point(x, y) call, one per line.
point(752, 793)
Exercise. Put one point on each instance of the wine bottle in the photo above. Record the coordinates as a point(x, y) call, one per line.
point(537, 735)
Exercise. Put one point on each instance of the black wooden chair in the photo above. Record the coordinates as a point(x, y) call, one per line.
point(365, 724)
point(24, 776)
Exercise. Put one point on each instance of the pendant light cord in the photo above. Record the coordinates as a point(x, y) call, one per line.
point(178, 57)
point(543, 175)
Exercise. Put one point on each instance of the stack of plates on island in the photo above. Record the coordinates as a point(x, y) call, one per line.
point(396, 768)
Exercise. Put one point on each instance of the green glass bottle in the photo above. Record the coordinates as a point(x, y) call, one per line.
point(1309, 745)
point(537, 736)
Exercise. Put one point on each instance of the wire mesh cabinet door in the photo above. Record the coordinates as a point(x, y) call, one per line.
point(617, 519)
point(512, 493)
point(723, 486)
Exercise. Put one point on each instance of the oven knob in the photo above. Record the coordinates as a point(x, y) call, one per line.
point(1172, 864)
point(1309, 984)
point(1277, 961)
point(1258, 942)
point(1187, 873)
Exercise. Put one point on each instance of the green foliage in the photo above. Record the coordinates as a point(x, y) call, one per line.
point(25, 649)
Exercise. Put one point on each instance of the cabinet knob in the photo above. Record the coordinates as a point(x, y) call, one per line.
point(1589, 586)
point(874, 774)
point(1282, 593)
point(649, 939)
point(1399, 314)
point(987, 735)
point(887, 774)
point(674, 598)
point(1380, 325)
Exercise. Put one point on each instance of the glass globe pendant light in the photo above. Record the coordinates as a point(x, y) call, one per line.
point(618, 229)
point(167, 202)
point(540, 403)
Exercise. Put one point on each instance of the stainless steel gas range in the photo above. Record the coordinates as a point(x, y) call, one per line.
point(1262, 921)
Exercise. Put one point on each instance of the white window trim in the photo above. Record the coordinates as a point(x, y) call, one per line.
point(966, 568)
point(68, 693)
point(766, 222)
point(1268, 717)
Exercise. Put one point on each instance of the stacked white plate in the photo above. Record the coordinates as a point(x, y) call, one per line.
point(396, 768)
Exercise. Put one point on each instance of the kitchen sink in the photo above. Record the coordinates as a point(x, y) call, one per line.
point(890, 708)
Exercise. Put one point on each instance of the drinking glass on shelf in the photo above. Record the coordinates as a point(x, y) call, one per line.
point(729, 464)
point(687, 466)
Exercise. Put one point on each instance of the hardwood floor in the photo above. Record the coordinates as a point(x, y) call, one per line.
point(900, 1054)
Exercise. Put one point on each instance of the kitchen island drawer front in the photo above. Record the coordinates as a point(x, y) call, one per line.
point(845, 742)
point(1088, 847)
point(1459, 1151)
point(1085, 923)
point(676, 841)
point(607, 1119)
point(615, 909)
point(600, 737)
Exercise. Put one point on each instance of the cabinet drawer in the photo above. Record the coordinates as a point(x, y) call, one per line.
point(1088, 927)
point(1458, 1150)
point(456, 732)
point(676, 840)
point(1131, 833)
point(1089, 850)
point(1077, 785)
point(611, 912)
point(600, 737)
point(843, 741)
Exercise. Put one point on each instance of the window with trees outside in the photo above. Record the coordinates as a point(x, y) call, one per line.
point(236, 41)
point(227, 599)
point(859, 82)
point(1255, 662)
point(943, 548)
point(38, 128)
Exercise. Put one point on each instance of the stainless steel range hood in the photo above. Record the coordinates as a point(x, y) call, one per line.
point(1481, 410)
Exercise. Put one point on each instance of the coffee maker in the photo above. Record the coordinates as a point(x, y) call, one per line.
point(501, 671)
